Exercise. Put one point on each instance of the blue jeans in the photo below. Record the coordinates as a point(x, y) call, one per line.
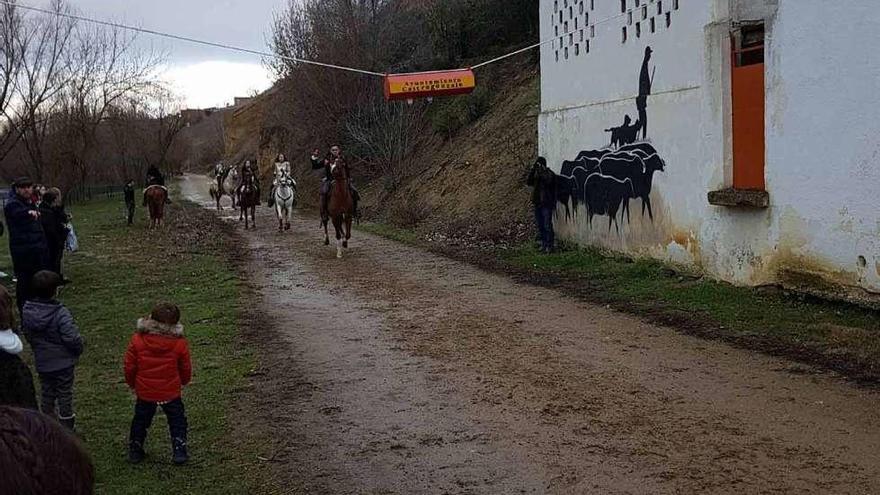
point(544, 219)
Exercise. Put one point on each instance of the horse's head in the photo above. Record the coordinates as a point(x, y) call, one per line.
point(286, 179)
point(337, 170)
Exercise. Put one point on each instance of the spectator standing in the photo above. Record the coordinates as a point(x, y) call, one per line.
point(27, 241)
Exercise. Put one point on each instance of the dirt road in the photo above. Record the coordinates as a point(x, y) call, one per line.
point(397, 371)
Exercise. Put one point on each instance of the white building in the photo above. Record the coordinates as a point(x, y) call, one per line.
point(775, 97)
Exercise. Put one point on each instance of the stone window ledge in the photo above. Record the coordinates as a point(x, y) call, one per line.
point(744, 198)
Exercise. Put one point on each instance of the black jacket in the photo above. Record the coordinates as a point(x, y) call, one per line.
point(27, 241)
point(543, 182)
point(54, 219)
point(128, 192)
point(17, 388)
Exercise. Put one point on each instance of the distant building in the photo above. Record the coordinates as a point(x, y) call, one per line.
point(729, 136)
point(240, 101)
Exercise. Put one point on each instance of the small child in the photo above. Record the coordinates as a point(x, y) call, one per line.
point(157, 366)
point(57, 345)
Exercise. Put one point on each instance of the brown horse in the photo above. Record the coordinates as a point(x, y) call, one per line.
point(340, 207)
point(154, 199)
point(248, 200)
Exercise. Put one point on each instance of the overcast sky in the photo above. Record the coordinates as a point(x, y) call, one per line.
point(204, 76)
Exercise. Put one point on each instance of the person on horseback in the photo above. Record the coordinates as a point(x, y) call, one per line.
point(219, 170)
point(248, 176)
point(335, 156)
point(282, 167)
point(155, 178)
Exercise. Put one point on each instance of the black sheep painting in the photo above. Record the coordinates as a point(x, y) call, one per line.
point(606, 181)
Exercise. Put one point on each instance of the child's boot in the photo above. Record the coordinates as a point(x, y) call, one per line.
point(69, 423)
point(180, 455)
point(136, 452)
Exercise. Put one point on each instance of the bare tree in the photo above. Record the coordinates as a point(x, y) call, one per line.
point(10, 63)
point(44, 70)
point(385, 135)
point(110, 69)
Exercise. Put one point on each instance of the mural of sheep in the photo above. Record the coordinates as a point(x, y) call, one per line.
point(605, 181)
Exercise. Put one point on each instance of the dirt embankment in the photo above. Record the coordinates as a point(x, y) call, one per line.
point(470, 184)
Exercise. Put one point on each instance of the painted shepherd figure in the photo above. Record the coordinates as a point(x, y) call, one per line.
point(645, 83)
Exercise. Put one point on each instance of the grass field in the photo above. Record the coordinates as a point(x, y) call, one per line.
point(118, 274)
point(839, 336)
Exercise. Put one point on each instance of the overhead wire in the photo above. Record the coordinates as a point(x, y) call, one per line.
point(289, 58)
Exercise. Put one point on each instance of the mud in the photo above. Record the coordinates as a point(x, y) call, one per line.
point(398, 371)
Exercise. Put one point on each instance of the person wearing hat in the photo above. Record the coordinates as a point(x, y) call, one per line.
point(27, 241)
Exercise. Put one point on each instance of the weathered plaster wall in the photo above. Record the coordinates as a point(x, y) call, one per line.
point(822, 149)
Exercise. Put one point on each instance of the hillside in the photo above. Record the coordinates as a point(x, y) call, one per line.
point(468, 184)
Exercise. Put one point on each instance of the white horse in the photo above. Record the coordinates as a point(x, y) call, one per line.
point(229, 184)
point(285, 200)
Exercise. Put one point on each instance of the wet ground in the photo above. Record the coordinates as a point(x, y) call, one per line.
point(397, 371)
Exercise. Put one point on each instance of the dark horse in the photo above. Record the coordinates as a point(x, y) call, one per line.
point(154, 199)
point(340, 207)
point(248, 200)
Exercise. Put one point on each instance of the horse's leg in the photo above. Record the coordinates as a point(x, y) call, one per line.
point(337, 225)
point(326, 234)
point(348, 220)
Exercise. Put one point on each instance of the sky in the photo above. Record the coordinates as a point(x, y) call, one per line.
point(203, 76)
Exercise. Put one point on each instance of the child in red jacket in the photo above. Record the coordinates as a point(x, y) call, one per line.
point(157, 366)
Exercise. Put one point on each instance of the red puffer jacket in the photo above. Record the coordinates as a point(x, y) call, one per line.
point(157, 362)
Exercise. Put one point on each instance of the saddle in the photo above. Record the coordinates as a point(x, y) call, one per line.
point(156, 185)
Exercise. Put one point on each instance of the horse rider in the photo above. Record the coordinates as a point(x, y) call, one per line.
point(335, 156)
point(155, 178)
point(282, 167)
point(219, 170)
point(248, 174)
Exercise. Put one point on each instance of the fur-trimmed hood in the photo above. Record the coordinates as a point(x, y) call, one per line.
point(153, 327)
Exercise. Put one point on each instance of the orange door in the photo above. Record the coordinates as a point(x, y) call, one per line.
point(747, 86)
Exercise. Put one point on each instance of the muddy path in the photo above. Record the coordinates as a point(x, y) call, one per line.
point(398, 371)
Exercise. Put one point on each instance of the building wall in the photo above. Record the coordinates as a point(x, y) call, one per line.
point(822, 147)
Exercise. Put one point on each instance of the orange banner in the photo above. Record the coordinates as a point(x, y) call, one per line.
point(429, 84)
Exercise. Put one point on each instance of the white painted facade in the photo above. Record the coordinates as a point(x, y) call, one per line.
point(822, 70)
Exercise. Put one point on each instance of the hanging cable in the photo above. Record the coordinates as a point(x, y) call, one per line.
point(162, 34)
point(187, 39)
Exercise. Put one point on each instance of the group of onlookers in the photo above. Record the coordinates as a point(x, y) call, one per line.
point(156, 363)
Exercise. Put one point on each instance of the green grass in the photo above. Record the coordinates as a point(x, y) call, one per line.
point(390, 232)
point(118, 274)
point(838, 335)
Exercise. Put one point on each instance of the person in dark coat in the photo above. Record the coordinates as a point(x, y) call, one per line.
point(57, 345)
point(325, 164)
point(128, 193)
point(16, 380)
point(543, 182)
point(54, 220)
point(155, 177)
point(27, 241)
